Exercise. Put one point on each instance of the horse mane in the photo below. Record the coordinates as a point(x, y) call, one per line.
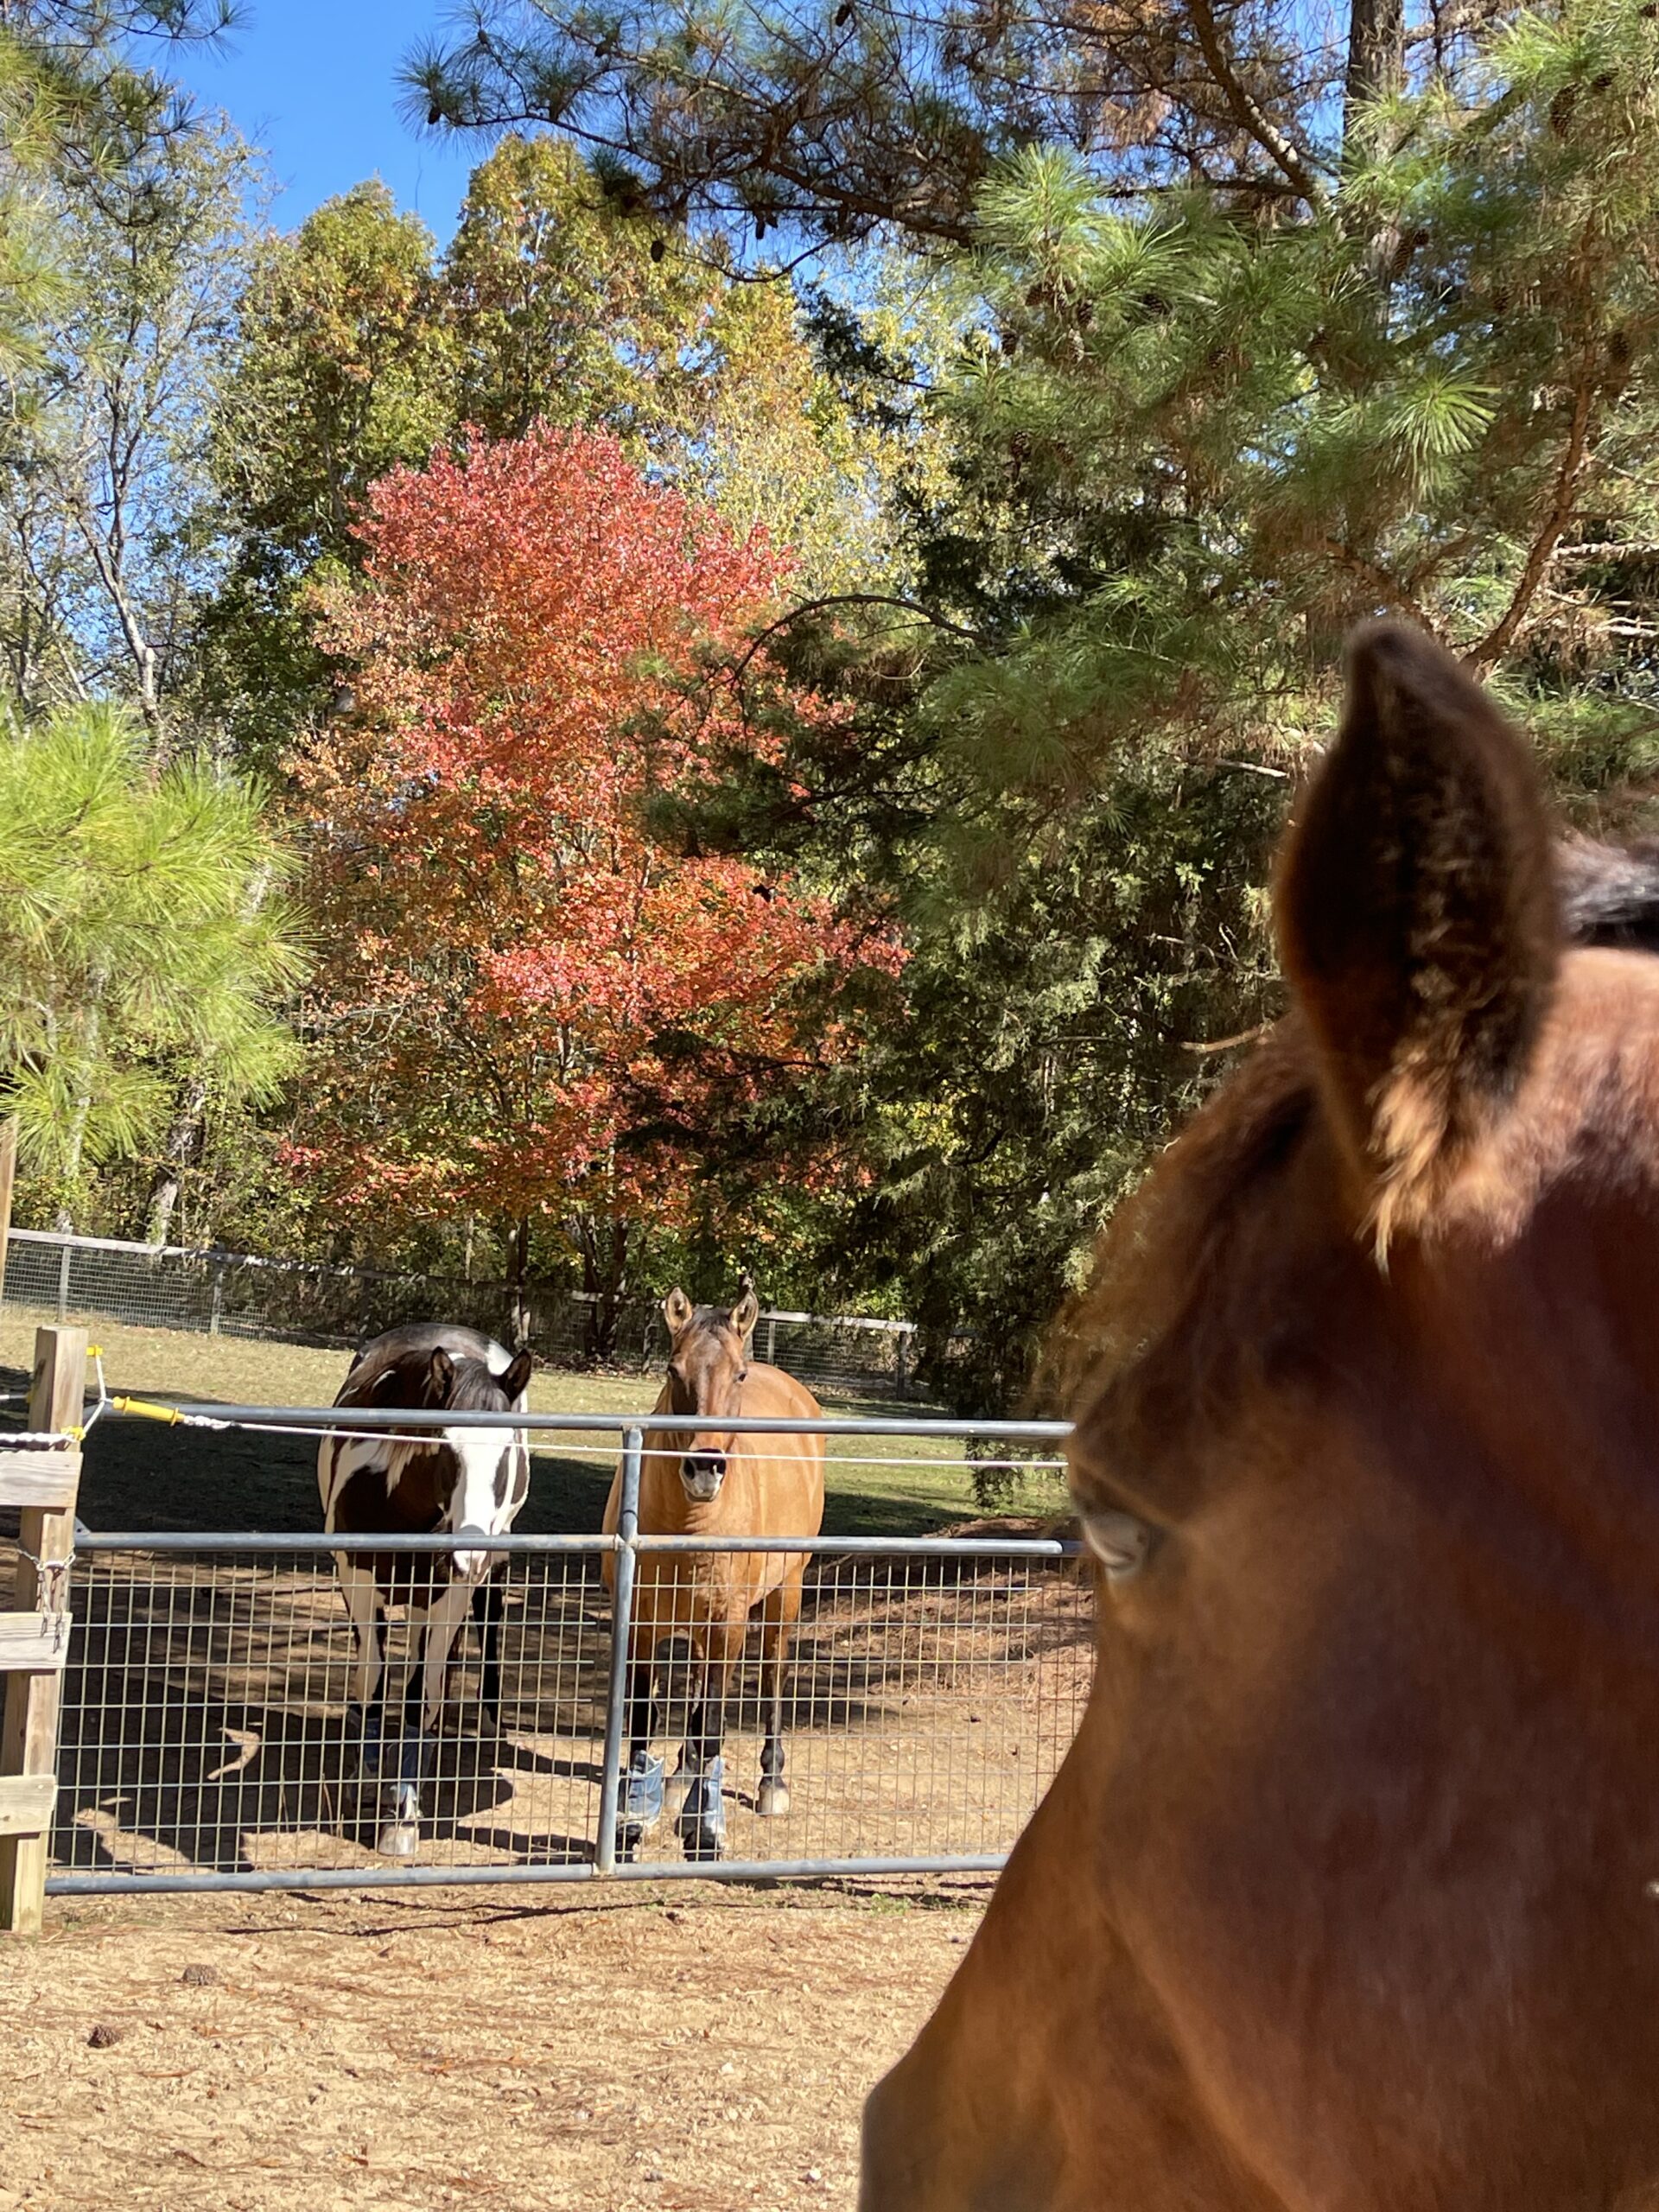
point(709, 1319)
point(476, 1390)
point(1169, 1256)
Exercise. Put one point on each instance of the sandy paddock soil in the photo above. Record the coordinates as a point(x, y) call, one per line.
point(693, 2050)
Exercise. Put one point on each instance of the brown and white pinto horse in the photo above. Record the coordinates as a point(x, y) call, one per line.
point(703, 1483)
point(1342, 1900)
point(468, 1481)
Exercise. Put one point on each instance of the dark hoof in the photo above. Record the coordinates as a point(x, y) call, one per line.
point(702, 1820)
point(627, 1845)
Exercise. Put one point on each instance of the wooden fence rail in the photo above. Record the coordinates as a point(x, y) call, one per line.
point(35, 1637)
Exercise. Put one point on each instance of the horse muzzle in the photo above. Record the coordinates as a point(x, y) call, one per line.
point(702, 1473)
point(466, 1566)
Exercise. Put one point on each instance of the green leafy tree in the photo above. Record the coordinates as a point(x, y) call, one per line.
point(567, 309)
point(342, 372)
point(145, 943)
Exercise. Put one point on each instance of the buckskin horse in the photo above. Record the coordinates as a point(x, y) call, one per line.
point(706, 1484)
point(468, 1481)
point(1342, 1900)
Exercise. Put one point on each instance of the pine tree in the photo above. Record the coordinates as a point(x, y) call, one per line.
point(145, 944)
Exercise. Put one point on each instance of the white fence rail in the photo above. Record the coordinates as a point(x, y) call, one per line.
point(234, 1293)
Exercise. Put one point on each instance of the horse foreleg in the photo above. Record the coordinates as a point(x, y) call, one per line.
point(702, 1816)
point(363, 1713)
point(423, 1702)
point(640, 1801)
point(778, 1615)
point(489, 1603)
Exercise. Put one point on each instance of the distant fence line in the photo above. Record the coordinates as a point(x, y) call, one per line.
point(234, 1293)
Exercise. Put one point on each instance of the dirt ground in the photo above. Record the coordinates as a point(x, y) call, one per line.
point(700, 2051)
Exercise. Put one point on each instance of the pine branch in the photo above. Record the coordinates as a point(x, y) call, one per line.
point(853, 598)
point(1498, 638)
point(1247, 110)
point(1387, 589)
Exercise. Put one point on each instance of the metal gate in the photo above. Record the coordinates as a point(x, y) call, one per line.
point(936, 1685)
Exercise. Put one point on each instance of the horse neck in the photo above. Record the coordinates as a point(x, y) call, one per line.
point(403, 1498)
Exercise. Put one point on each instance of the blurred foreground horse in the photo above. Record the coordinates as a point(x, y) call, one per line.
point(1344, 1899)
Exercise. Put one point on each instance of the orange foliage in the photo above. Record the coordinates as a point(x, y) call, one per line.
point(536, 644)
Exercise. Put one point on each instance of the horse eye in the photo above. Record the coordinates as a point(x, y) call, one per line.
point(743, 1374)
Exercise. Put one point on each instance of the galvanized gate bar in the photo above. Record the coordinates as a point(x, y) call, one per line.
point(307, 1542)
point(471, 1878)
point(394, 1419)
point(621, 1623)
point(300, 1542)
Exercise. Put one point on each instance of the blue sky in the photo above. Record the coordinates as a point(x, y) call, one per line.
point(315, 83)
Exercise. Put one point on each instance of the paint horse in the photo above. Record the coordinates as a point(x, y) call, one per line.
point(1344, 1899)
point(705, 1483)
point(467, 1481)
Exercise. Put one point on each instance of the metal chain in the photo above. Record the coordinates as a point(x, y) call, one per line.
point(54, 1577)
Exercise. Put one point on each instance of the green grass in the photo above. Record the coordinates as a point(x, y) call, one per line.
point(143, 1475)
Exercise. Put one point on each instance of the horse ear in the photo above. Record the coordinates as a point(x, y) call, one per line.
point(1416, 912)
point(676, 1310)
point(440, 1378)
point(746, 1312)
point(515, 1380)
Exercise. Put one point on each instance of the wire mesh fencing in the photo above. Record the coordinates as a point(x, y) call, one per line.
point(212, 1733)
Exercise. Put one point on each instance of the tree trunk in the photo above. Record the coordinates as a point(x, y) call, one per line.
point(518, 1271)
point(1377, 56)
point(82, 1112)
point(604, 1277)
point(181, 1140)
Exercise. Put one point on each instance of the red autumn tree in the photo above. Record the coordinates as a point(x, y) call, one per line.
point(518, 978)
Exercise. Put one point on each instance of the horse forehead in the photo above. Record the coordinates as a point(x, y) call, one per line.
point(711, 1346)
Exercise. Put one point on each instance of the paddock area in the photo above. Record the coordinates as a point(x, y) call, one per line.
point(699, 2049)
point(575, 2039)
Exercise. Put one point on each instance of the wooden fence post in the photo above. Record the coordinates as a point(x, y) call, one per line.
point(34, 1640)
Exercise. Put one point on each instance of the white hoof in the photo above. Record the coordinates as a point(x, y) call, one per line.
point(398, 1839)
point(773, 1799)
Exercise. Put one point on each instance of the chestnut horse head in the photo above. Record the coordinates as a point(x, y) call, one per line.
point(1341, 1901)
point(708, 1366)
